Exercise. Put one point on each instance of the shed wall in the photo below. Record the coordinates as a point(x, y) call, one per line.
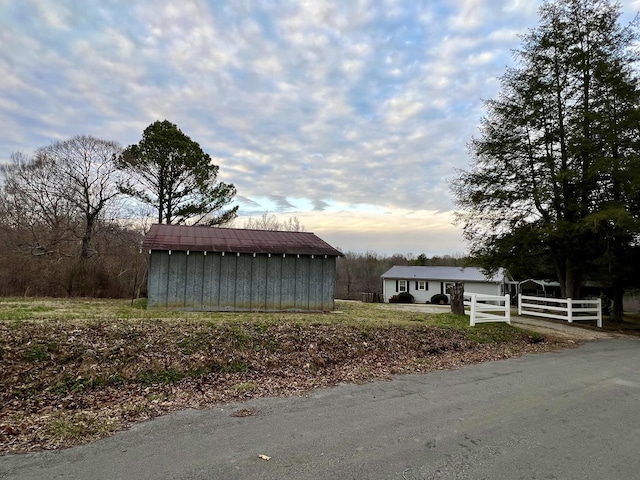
point(232, 282)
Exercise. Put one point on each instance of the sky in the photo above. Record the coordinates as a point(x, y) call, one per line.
point(351, 115)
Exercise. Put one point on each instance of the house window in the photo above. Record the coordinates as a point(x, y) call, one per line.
point(402, 285)
point(421, 285)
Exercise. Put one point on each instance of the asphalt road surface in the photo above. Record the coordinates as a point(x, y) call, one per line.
point(572, 414)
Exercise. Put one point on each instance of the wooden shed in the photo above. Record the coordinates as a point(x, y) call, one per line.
point(228, 269)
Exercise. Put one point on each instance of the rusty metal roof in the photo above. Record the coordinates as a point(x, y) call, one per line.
point(234, 240)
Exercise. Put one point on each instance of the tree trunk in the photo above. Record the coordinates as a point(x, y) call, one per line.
point(617, 307)
point(88, 235)
point(568, 279)
point(456, 291)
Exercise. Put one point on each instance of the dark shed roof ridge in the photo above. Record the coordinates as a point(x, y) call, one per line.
point(235, 240)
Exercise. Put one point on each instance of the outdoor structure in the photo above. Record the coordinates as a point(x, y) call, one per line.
point(539, 288)
point(425, 282)
point(551, 288)
point(226, 269)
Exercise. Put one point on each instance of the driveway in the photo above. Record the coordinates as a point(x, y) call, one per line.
point(561, 329)
point(570, 414)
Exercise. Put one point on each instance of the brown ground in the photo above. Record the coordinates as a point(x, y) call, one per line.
point(71, 382)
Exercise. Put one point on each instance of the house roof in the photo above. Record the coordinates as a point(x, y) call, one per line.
point(452, 274)
point(542, 283)
point(234, 240)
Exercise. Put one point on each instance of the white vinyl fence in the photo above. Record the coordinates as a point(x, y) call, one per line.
point(487, 308)
point(568, 309)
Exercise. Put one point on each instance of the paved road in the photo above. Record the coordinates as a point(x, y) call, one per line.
point(572, 414)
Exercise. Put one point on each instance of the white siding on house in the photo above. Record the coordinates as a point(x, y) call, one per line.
point(437, 286)
point(484, 288)
point(421, 296)
point(471, 278)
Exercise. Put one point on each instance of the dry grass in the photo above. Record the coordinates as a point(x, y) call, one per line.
point(81, 369)
point(630, 324)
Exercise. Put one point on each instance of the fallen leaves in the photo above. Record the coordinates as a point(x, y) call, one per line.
point(70, 382)
point(245, 412)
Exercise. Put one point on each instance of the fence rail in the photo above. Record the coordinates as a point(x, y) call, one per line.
point(487, 308)
point(571, 310)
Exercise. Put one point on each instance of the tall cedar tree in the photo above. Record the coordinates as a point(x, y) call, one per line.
point(554, 181)
point(170, 172)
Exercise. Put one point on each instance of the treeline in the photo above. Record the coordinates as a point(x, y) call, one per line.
point(73, 216)
point(115, 267)
point(359, 274)
point(553, 187)
point(65, 229)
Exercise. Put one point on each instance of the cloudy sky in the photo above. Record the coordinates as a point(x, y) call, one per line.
point(351, 115)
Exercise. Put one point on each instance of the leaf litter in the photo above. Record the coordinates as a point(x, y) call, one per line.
point(69, 382)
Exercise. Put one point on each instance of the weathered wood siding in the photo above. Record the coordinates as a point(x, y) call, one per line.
point(244, 282)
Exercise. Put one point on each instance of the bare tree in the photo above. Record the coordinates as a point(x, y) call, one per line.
point(60, 195)
point(36, 217)
point(85, 171)
point(57, 230)
point(269, 221)
point(345, 275)
point(359, 274)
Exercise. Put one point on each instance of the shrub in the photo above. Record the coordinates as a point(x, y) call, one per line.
point(440, 299)
point(393, 299)
point(405, 297)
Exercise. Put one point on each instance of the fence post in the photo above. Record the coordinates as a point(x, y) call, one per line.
point(599, 313)
point(519, 304)
point(570, 309)
point(507, 308)
point(473, 310)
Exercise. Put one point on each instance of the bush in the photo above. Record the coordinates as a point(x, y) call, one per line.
point(440, 299)
point(393, 299)
point(405, 297)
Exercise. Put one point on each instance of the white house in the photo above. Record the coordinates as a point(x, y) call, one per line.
point(425, 282)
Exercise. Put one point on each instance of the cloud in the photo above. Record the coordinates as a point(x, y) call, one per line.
point(306, 106)
point(244, 201)
point(320, 205)
point(281, 203)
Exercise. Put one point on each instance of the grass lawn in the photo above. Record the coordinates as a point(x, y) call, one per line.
point(74, 370)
